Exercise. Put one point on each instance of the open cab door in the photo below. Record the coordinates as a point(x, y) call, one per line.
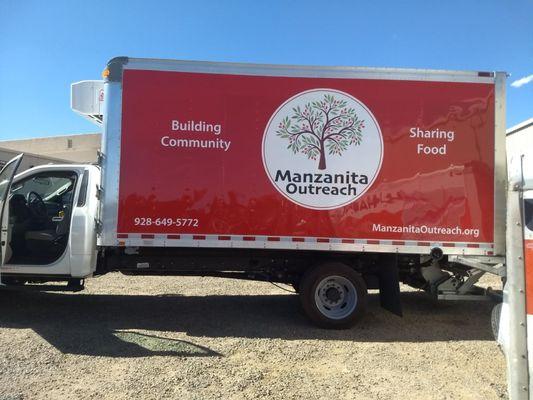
point(515, 333)
point(6, 179)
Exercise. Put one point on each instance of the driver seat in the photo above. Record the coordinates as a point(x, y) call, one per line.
point(47, 236)
point(49, 241)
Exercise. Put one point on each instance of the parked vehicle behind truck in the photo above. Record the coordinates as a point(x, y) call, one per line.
point(332, 180)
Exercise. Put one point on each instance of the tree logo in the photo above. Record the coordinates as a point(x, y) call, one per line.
point(322, 149)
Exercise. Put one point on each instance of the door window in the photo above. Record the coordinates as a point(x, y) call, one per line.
point(5, 179)
point(528, 213)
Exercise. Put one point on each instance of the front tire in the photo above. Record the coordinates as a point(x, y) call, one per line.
point(333, 295)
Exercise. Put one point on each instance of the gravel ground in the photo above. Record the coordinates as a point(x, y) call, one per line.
point(207, 338)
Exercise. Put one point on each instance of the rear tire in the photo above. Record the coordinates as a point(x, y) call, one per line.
point(333, 295)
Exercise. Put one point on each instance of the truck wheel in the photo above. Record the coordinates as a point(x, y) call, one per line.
point(333, 295)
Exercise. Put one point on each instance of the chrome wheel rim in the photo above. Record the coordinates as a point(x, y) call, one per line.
point(336, 297)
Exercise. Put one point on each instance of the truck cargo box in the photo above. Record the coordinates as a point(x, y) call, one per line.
point(324, 158)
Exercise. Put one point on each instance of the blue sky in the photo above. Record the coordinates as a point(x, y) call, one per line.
point(46, 45)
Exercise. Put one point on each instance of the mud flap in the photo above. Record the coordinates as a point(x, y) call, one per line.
point(389, 285)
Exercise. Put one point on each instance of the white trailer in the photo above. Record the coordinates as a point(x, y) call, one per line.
point(515, 333)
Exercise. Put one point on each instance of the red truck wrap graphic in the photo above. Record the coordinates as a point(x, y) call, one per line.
point(213, 154)
point(528, 264)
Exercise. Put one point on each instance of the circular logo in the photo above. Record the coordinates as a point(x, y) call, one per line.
point(322, 149)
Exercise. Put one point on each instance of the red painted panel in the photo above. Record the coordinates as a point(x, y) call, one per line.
point(528, 251)
point(201, 191)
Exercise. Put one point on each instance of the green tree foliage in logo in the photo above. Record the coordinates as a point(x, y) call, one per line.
point(328, 125)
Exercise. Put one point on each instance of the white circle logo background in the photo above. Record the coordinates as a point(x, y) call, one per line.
point(362, 159)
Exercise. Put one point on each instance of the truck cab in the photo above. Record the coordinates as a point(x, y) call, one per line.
point(49, 219)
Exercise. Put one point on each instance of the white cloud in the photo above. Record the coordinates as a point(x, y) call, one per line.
point(522, 81)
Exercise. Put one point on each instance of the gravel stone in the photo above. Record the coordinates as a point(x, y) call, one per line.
point(211, 338)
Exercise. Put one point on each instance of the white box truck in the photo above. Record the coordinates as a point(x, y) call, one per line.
point(334, 180)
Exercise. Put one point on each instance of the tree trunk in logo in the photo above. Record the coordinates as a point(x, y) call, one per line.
point(322, 160)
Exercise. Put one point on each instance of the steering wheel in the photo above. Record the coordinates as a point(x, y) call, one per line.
point(36, 204)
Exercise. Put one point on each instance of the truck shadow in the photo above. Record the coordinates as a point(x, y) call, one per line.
point(104, 325)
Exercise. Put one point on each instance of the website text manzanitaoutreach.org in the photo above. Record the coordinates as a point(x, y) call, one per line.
point(424, 229)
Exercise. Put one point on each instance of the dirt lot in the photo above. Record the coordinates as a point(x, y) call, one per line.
point(205, 338)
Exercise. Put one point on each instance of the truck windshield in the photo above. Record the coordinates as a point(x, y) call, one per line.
point(48, 187)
